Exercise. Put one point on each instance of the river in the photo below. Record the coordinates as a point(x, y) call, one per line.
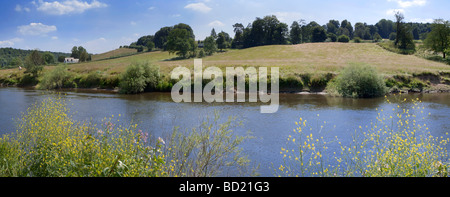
point(157, 114)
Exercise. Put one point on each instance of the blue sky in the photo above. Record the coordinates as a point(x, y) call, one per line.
point(103, 25)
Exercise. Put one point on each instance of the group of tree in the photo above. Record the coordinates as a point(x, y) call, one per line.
point(13, 58)
point(268, 30)
point(81, 54)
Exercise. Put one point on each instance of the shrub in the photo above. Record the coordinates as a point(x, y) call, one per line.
point(291, 83)
point(90, 80)
point(360, 81)
point(357, 40)
point(207, 150)
point(49, 143)
point(139, 77)
point(59, 77)
point(343, 38)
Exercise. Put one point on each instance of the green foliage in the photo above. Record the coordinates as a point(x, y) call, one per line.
point(33, 63)
point(207, 150)
point(49, 143)
point(139, 77)
point(59, 77)
point(357, 40)
point(80, 53)
point(332, 37)
point(438, 39)
point(360, 81)
point(318, 34)
point(48, 58)
point(343, 38)
point(223, 41)
point(291, 83)
point(209, 45)
point(180, 42)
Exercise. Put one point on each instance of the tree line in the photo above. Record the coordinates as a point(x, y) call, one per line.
point(268, 30)
point(13, 58)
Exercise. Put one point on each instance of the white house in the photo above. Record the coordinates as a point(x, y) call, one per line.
point(71, 60)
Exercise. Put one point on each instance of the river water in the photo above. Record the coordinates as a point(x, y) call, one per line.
point(157, 114)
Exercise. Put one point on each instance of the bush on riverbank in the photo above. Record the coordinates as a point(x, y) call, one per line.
point(139, 77)
point(359, 81)
point(57, 78)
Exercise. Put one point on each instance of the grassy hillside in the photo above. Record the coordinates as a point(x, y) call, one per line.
point(114, 54)
point(303, 58)
point(314, 59)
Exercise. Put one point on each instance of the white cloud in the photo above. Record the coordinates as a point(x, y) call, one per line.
point(68, 6)
point(35, 29)
point(216, 23)
point(151, 8)
point(10, 42)
point(19, 8)
point(406, 4)
point(54, 37)
point(287, 17)
point(133, 23)
point(200, 7)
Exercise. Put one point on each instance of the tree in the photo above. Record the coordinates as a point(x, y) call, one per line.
point(404, 37)
point(180, 42)
point(385, 28)
point(296, 33)
point(318, 34)
point(223, 40)
point(146, 41)
point(348, 27)
point(209, 45)
point(48, 57)
point(332, 37)
point(80, 53)
point(61, 58)
point(33, 63)
point(238, 41)
point(213, 33)
point(333, 26)
point(160, 38)
point(438, 39)
point(398, 24)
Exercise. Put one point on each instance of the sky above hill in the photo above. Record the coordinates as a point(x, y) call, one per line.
point(103, 25)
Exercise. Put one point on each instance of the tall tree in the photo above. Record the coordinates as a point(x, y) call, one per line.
point(180, 42)
point(318, 34)
point(33, 63)
point(238, 41)
point(209, 45)
point(213, 33)
point(438, 39)
point(160, 38)
point(296, 33)
point(223, 40)
point(398, 25)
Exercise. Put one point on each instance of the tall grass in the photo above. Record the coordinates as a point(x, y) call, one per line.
point(396, 144)
point(50, 143)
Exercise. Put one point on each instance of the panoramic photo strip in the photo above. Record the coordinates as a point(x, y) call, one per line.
point(209, 97)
